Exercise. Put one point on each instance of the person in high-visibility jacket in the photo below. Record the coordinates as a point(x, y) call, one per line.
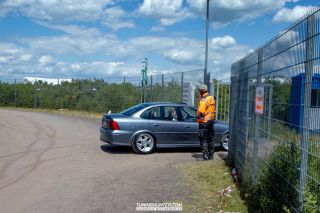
point(205, 118)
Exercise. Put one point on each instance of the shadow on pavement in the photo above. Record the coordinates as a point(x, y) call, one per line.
point(196, 152)
point(111, 149)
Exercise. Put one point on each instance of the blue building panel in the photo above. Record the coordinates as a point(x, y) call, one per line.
point(297, 99)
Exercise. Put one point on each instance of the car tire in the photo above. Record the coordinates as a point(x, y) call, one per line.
point(144, 143)
point(225, 142)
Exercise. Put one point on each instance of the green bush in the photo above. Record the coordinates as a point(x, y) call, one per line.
point(312, 196)
point(312, 193)
point(275, 191)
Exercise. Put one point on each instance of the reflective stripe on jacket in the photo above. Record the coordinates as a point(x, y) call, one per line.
point(206, 109)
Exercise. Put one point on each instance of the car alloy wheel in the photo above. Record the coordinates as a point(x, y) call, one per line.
point(144, 143)
point(225, 141)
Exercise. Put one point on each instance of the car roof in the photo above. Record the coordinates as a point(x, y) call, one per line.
point(165, 104)
point(149, 105)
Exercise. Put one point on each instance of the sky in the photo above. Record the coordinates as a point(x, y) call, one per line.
point(110, 38)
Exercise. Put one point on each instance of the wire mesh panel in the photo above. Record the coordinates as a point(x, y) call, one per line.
point(194, 79)
point(221, 93)
point(169, 87)
point(280, 135)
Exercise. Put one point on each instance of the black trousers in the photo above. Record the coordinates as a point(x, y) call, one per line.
point(206, 134)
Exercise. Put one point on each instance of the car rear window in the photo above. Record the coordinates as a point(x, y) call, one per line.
point(133, 109)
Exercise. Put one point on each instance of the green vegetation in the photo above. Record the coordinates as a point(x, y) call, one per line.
point(313, 187)
point(212, 188)
point(280, 99)
point(84, 95)
point(171, 91)
point(276, 189)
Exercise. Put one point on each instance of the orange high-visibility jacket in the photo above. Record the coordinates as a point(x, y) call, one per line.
point(206, 109)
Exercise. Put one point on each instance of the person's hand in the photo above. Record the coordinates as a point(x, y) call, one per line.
point(200, 115)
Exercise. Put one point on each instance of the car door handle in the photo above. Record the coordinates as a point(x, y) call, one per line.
point(188, 127)
point(155, 124)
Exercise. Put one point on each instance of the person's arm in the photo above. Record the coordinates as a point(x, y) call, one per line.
point(201, 109)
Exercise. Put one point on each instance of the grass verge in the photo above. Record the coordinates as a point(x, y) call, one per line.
point(61, 112)
point(212, 188)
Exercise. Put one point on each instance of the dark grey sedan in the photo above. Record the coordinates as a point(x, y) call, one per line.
point(149, 125)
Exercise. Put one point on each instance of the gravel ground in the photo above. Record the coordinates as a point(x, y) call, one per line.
point(54, 163)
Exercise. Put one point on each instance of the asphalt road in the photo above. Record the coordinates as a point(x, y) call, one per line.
point(55, 163)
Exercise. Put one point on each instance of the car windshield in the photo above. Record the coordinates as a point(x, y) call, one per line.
point(133, 109)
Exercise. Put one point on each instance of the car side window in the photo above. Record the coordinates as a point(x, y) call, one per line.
point(152, 113)
point(171, 113)
point(188, 114)
point(146, 114)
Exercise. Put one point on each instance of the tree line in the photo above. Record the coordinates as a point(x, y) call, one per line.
point(85, 95)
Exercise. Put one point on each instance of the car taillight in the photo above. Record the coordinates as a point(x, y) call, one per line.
point(113, 125)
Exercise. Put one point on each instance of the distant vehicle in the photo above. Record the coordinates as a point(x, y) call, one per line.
point(163, 125)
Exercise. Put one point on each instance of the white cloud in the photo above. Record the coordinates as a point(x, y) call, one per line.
point(98, 69)
point(72, 29)
point(56, 10)
point(167, 11)
point(9, 49)
point(10, 52)
point(25, 57)
point(226, 11)
point(62, 11)
point(75, 66)
point(4, 59)
point(67, 44)
point(46, 59)
point(183, 56)
point(113, 18)
point(290, 15)
point(45, 56)
point(161, 8)
point(223, 41)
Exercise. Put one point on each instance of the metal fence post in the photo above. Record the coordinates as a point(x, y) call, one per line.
point(233, 109)
point(257, 120)
point(35, 94)
point(15, 92)
point(229, 97)
point(217, 102)
point(225, 102)
point(212, 88)
point(81, 95)
point(306, 110)
point(162, 87)
point(181, 86)
point(141, 91)
point(100, 94)
point(151, 91)
point(270, 110)
point(145, 92)
point(58, 94)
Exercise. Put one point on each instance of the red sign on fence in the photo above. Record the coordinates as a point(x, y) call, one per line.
point(259, 99)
